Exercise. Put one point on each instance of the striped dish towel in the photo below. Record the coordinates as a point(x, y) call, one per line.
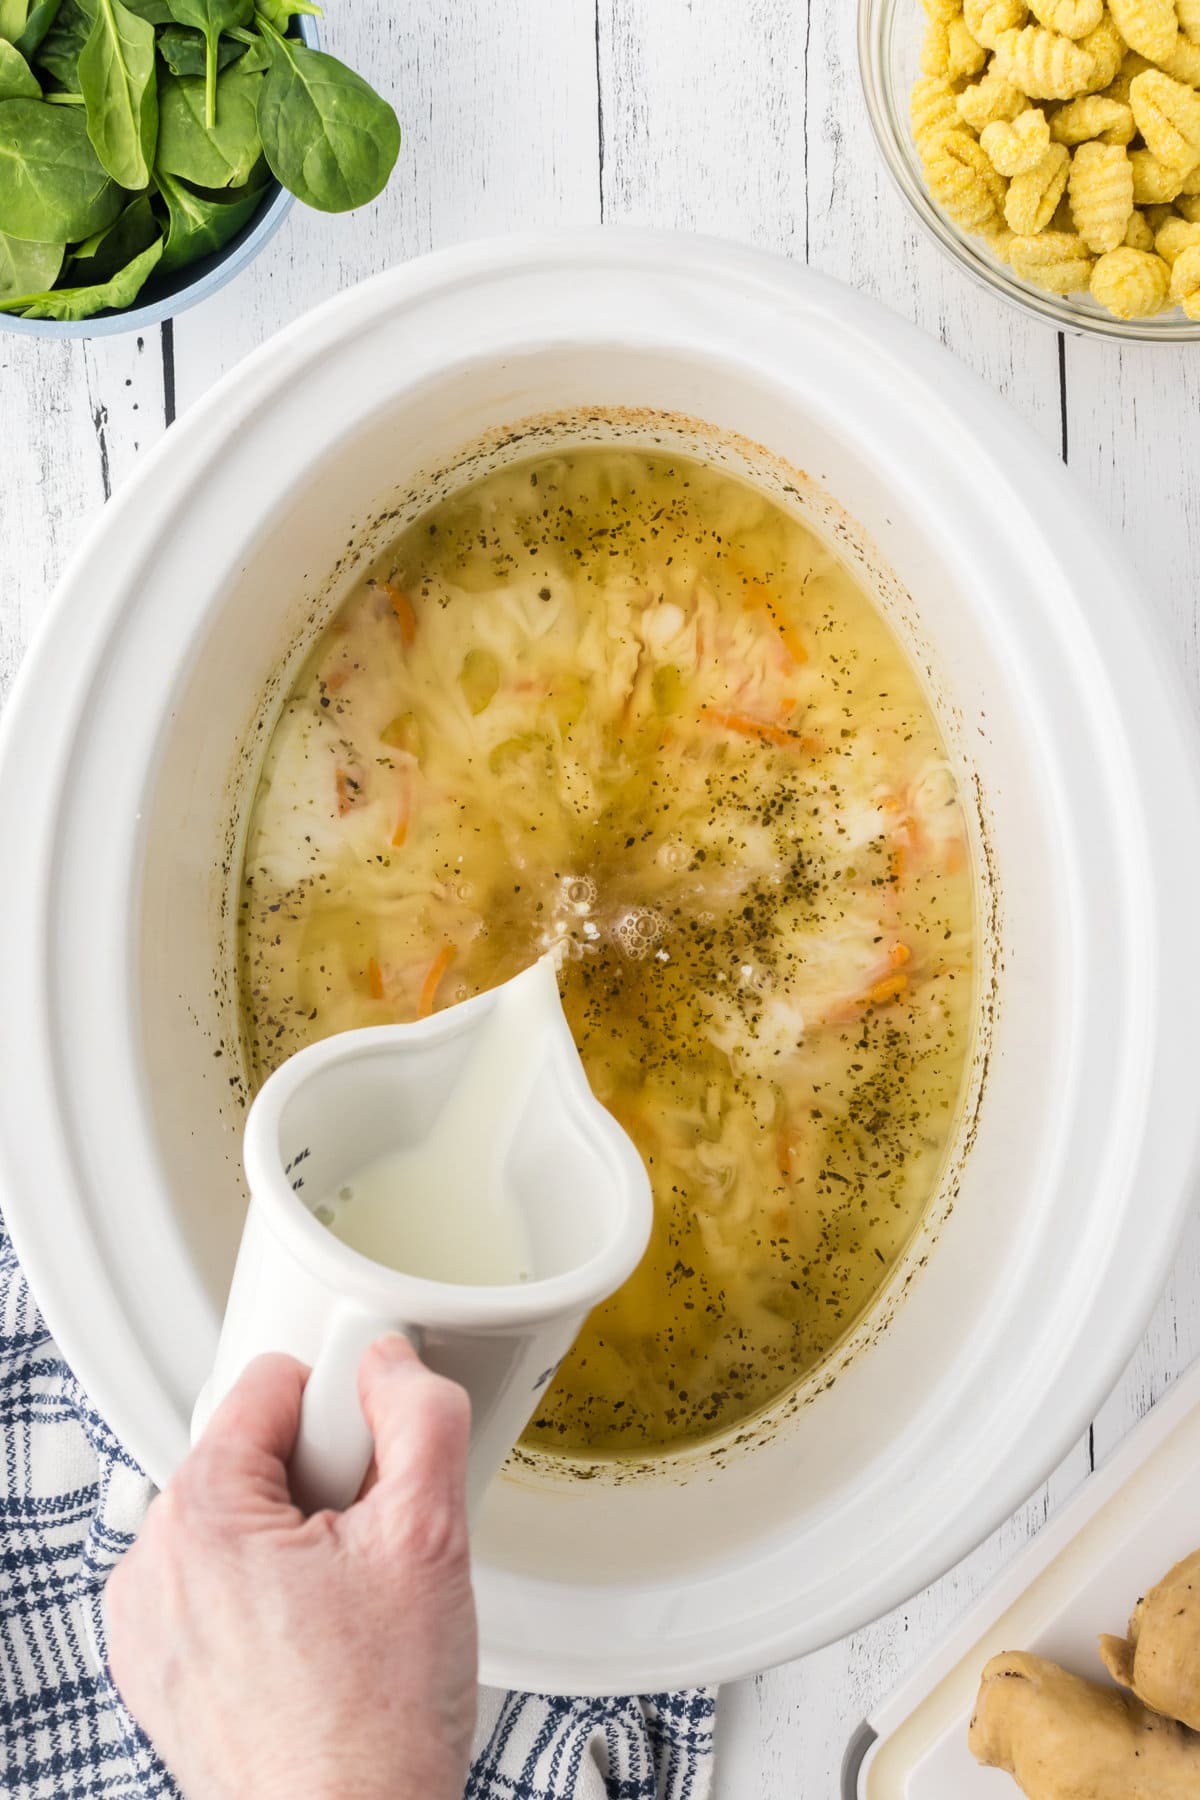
point(71, 1501)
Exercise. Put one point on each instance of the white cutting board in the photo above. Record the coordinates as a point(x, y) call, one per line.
point(1081, 1575)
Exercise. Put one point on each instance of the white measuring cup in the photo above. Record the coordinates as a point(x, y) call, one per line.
point(498, 1084)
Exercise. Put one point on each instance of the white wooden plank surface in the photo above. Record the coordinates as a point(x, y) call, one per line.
point(498, 108)
point(740, 119)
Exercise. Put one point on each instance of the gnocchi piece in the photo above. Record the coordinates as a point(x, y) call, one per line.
point(1106, 48)
point(1044, 64)
point(1032, 197)
point(1157, 216)
point(1149, 26)
point(1188, 14)
point(1131, 64)
point(1056, 260)
point(1138, 234)
point(942, 10)
point(1176, 236)
point(1154, 182)
point(1018, 148)
point(1185, 281)
point(1168, 116)
point(951, 51)
point(1183, 62)
point(963, 181)
point(1073, 18)
point(1092, 116)
point(1100, 186)
point(1132, 284)
point(966, 55)
point(988, 99)
point(933, 107)
point(935, 51)
point(999, 242)
point(986, 19)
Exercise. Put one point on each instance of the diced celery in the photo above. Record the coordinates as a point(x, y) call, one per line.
point(479, 678)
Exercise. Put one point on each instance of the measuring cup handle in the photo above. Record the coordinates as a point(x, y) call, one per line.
point(333, 1445)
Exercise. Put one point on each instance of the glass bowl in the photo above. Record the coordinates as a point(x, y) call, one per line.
point(890, 33)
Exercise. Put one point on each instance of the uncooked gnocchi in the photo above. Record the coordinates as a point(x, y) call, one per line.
point(1132, 284)
point(1065, 136)
point(1150, 27)
point(1185, 281)
point(1100, 191)
point(1017, 148)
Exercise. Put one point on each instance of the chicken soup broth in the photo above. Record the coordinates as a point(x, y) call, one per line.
point(624, 703)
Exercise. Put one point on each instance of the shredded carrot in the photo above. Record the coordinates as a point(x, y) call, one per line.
point(433, 980)
point(403, 608)
point(812, 744)
point(758, 595)
point(345, 799)
point(785, 1146)
point(747, 727)
point(898, 955)
point(793, 643)
point(374, 980)
point(892, 987)
point(896, 861)
point(955, 856)
point(336, 682)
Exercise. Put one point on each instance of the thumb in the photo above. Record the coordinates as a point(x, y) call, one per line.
point(420, 1422)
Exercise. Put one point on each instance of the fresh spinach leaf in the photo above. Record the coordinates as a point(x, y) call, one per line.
point(156, 12)
point(106, 253)
point(41, 17)
point(223, 156)
point(14, 16)
point(25, 267)
point(211, 18)
point(255, 51)
point(183, 50)
point(198, 225)
point(280, 13)
point(326, 133)
point(85, 302)
point(118, 84)
point(17, 79)
point(58, 52)
point(53, 186)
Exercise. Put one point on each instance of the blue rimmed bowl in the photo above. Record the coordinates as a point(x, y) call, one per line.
point(163, 297)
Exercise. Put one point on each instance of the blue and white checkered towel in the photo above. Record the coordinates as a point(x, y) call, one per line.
point(71, 1500)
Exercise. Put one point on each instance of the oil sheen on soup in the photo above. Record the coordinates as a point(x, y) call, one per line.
point(625, 703)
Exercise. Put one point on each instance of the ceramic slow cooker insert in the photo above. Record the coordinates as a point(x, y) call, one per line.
point(128, 757)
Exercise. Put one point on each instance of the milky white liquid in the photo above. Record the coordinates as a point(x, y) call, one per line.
point(441, 1209)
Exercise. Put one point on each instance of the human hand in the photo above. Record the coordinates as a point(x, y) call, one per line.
point(331, 1657)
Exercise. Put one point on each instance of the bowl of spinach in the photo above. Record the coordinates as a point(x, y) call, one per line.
point(150, 148)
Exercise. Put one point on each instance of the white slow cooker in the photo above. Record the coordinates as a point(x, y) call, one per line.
point(128, 757)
